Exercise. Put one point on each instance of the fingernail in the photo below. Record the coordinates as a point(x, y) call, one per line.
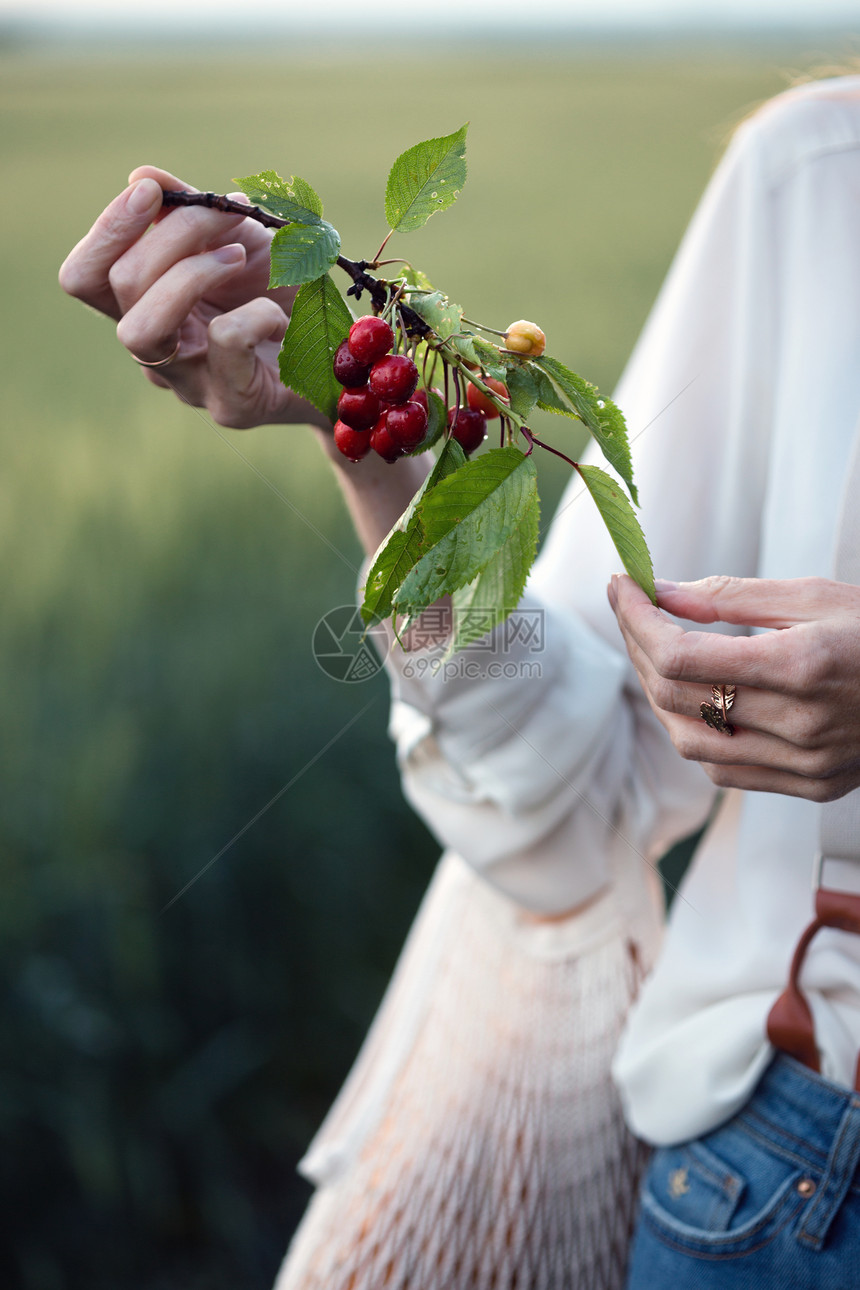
point(142, 196)
point(662, 584)
point(231, 254)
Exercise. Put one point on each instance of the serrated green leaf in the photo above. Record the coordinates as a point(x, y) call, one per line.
point(489, 358)
point(437, 421)
point(620, 518)
point(425, 179)
point(319, 322)
point(602, 417)
point(548, 399)
point(302, 252)
point(292, 198)
point(496, 591)
point(437, 311)
point(463, 343)
point(522, 390)
point(403, 546)
point(466, 519)
point(415, 278)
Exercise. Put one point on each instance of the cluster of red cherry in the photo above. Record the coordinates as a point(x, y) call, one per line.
point(381, 407)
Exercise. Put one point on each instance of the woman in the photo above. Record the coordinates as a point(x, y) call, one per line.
point(478, 1142)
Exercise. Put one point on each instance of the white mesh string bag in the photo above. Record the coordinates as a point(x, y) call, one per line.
point(478, 1142)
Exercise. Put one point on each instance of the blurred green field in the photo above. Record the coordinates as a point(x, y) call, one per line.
point(161, 1072)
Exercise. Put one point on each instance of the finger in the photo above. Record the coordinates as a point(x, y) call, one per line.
point(811, 724)
point(761, 779)
point(165, 180)
point(189, 231)
point(151, 327)
point(243, 386)
point(256, 239)
point(760, 710)
point(758, 602)
point(772, 661)
point(85, 271)
point(695, 740)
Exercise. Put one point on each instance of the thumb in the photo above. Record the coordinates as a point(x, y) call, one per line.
point(758, 602)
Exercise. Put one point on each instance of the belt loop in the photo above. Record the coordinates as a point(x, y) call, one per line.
point(838, 1177)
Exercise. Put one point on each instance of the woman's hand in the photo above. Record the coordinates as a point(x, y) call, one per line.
point(196, 278)
point(796, 714)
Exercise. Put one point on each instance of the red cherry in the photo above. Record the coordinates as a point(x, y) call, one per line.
point(347, 370)
point(478, 400)
point(382, 443)
point(468, 427)
point(359, 408)
point(394, 378)
point(351, 443)
point(420, 396)
point(369, 338)
point(407, 424)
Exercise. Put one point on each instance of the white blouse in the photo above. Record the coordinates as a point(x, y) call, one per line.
point(553, 775)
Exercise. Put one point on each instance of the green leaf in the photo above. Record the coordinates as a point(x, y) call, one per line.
point(489, 358)
point(602, 417)
point(291, 198)
point(437, 311)
point(415, 278)
point(620, 518)
point(302, 252)
point(403, 546)
point(319, 322)
point(466, 519)
point(463, 343)
point(425, 179)
point(522, 390)
point(437, 420)
point(496, 591)
point(548, 399)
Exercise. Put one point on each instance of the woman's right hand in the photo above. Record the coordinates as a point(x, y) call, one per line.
point(196, 278)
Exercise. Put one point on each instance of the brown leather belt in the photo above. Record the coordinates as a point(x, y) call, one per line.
point(790, 1027)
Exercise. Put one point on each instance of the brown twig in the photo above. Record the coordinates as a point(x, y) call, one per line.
point(378, 289)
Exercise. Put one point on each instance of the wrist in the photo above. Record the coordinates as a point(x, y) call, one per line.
point(375, 492)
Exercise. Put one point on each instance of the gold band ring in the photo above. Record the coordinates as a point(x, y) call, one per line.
point(716, 713)
point(158, 362)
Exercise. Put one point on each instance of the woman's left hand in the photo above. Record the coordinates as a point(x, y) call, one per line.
point(796, 713)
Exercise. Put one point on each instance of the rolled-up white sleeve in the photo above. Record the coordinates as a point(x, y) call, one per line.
point(496, 746)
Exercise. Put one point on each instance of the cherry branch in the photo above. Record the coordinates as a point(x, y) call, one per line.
point(380, 291)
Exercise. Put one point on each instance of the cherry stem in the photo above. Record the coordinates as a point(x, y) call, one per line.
point(380, 291)
point(473, 379)
point(457, 396)
point(484, 327)
point(532, 439)
point(375, 262)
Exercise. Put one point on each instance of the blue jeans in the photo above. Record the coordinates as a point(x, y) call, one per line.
point(770, 1199)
